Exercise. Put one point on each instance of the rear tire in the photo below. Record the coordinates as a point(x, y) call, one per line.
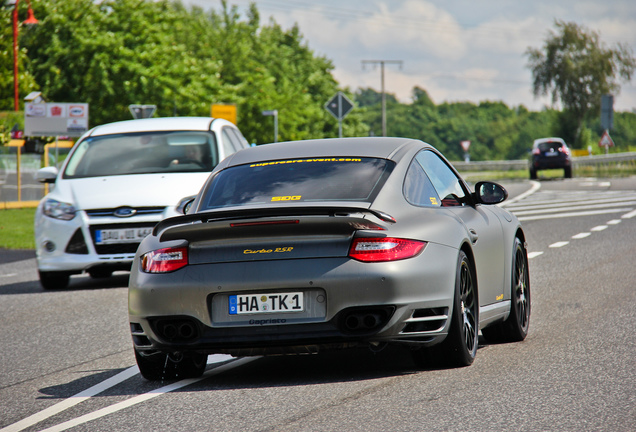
point(460, 346)
point(515, 327)
point(54, 280)
point(567, 172)
point(159, 366)
point(533, 174)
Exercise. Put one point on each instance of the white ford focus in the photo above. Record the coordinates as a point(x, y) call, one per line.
point(118, 181)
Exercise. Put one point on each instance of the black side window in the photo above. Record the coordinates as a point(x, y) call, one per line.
point(418, 189)
point(444, 180)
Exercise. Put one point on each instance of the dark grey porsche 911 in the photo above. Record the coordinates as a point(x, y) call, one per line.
point(325, 244)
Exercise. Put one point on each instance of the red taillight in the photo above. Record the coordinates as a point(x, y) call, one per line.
point(536, 151)
point(384, 249)
point(164, 260)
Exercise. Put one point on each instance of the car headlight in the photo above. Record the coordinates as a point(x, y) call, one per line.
point(58, 210)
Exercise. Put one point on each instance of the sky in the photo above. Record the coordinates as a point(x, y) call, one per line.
point(456, 50)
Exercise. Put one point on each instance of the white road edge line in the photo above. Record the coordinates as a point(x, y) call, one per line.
point(535, 187)
point(72, 401)
point(534, 254)
point(146, 396)
point(87, 394)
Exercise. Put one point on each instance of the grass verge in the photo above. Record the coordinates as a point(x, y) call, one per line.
point(16, 228)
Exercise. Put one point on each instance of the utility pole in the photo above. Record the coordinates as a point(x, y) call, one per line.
point(382, 63)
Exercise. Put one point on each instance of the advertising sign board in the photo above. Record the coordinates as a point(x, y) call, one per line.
point(55, 119)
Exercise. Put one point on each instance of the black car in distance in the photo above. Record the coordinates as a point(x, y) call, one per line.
point(550, 153)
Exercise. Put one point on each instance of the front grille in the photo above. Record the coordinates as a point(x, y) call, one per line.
point(139, 211)
point(117, 248)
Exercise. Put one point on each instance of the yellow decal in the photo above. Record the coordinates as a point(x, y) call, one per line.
point(262, 164)
point(499, 297)
point(268, 251)
point(433, 200)
point(286, 198)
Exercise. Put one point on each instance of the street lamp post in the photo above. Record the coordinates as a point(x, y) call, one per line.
point(30, 20)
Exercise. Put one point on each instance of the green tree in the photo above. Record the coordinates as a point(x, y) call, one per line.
point(577, 69)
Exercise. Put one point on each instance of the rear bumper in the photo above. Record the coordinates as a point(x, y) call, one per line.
point(407, 301)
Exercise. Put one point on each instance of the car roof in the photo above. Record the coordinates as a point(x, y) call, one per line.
point(379, 147)
point(552, 139)
point(156, 124)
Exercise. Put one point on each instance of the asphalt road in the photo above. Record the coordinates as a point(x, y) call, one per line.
point(67, 360)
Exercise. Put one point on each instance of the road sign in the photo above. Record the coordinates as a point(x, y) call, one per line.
point(465, 145)
point(606, 140)
point(55, 119)
point(142, 111)
point(607, 112)
point(224, 111)
point(339, 106)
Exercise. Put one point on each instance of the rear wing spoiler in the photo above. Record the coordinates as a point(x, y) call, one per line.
point(257, 216)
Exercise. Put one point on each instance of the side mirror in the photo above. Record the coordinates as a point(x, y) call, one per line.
point(185, 204)
point(46, 175)
point(490, 193)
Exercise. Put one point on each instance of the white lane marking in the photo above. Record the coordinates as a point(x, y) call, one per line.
point(574, 214)
point(599, 228)
point(559, 244)
point(578, 203)
point(629, 215)
point(558, 208)
point(72, 401)
point(581, 235)
point(534, 254)
point(535, 186)
point(9, 275)
point(614, 222)
point(146, 396)
point(87, 394)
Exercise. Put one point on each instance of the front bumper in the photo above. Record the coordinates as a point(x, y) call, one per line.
point(69, 246)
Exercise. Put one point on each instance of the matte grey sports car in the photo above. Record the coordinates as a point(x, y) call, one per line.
point(302, 246)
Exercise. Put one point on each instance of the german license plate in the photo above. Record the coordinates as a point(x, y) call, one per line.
point(551, 153)
point(128, 235)
point(266, 303)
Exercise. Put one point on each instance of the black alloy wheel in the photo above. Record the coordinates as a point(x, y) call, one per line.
point(515, 327)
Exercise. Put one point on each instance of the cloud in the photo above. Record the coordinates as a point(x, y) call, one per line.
point(457, 50)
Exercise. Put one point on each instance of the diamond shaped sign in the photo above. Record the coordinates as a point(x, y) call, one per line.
point(339, 106)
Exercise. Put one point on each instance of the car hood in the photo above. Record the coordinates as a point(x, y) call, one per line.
point(141, 190)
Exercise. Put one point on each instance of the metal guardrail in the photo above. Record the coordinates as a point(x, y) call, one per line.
point(522, 164)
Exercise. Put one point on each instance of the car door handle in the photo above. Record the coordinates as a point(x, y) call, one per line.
point(473, 235)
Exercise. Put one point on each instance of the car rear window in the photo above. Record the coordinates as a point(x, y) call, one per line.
point(550, 145)
point(298, 180)
point(143, 153)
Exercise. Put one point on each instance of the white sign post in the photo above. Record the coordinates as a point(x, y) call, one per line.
point(466, 146)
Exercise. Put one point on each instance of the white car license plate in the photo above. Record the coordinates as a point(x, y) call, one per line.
point(266, 303)
point(551, 153)
point(129, 235)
